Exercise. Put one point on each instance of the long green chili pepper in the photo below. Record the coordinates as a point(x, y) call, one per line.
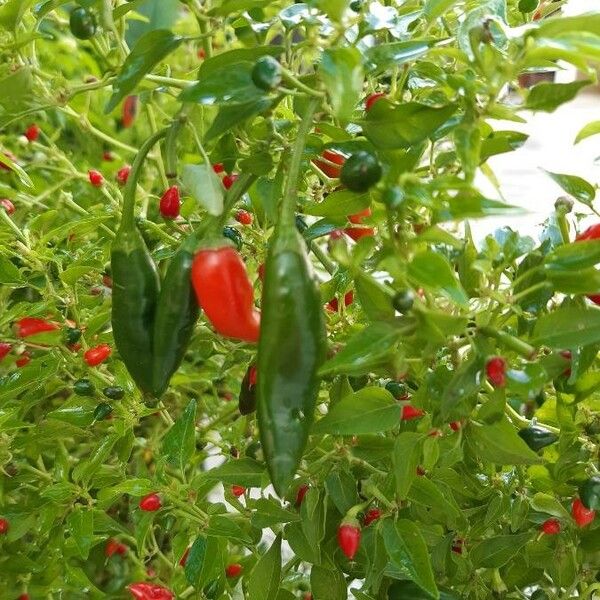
point(292, 338)
point(135, 285)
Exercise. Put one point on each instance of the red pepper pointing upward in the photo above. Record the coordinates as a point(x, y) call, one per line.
point(149, 591)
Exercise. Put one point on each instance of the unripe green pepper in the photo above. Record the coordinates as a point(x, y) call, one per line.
point(114, 392)
point(360, 171)
point(266, 73)
point(72, 335)
point(247, 397)
point(102, 411)
point(234, 235)
point(403, 301)
point(537, 437)
point(83, 387)
point(589, 493)
point(82, 23)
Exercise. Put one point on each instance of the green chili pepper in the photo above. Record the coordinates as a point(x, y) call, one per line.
point(537, 437)
point(589, 493)
point(247, 397)
point(292, 337)
point(234, 235)
point(114, 392)
point(266, 73)
point(72, 335)
point(102, 411)
point(82, 23)
point(135, 286)
point(83, 387)
point(403, 301)
point(176, 314)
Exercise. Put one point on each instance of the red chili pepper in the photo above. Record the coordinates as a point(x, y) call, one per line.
point(410, 412)
point(243, 217)
point(455, 425)
point(129, 111)
point(107, 281)
point(357, 218)
point(583, 516)
point(591, 233)
point(32, 133)
point(95, 177)
point(114, 547)
point(253, 375)
point(238, 490)
point(336, 234)
point(308, 596)
point(123, 174)
point(458, 545)
point(300, 494)
point(184, 558)
point(234, 570)
point(170, 203)
point(201, 53)
point(332, 171)
point(372, 515)
point(4, 349)
point(372, 99)
point(551, 526)
point(225, 293)
point(348, 536)
point(23, 597)
point(495, 369)
point(149, 591)
point(98, 354)
point(32, 326)
point(218, 168)
point(107, 156)
point(229, 180)
point(226, 395)
point(4, 526)
point(356, 233)
point(7, 205)
point(150, 503)
point(333, 304)
point(421, 471)
point(23, 360)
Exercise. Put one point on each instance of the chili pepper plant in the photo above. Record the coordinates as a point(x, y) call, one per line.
point(249, 347)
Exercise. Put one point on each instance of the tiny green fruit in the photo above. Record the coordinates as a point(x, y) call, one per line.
point(266, 73)
point(82, 23)
point(360, 171)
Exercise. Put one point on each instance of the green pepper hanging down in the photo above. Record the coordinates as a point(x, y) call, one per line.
point(589, 493)
point(292, 338)
point(135, 286)
point(537, 437)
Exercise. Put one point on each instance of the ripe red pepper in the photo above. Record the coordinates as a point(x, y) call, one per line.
point(410, 412)
point(551, 526)
point(96, 355)
point(583, 516)
point(7, 205)
point(356, 233)
point(114, 547)
point(372, 515)
point(184, 558)
point(32, 133)
point(107, 156)
point(455, 425)
point(95, 177)
point(348, 536)
point(149, 591)
point(150, 503)
point(32, 326)
point(218, 168)
point(23, 597)
point(372, 99)
point(332, 171)
point(495, 369)
point(225, 293)
point(234, 570)
point(591, 233)
point(4, 526)
point(129, 111)
point(123, 175)
point(458, 546)
point(229, 180)
point(333, 304)
point(201, 54)
point(23, 360)
point(170, 203)
point(243, 217)
point(300, 494)
point(238, 490)
point(4, 349)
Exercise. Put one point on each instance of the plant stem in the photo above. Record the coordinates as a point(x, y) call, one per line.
point(510, 341)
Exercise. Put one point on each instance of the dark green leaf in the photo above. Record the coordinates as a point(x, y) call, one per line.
point(180, 441)
point(406, 458)
point(230, 116)
point(244, 471)
point(328, 584)
point(568, 327)
point(265, 577)
point(497, 551)
point(339, 204)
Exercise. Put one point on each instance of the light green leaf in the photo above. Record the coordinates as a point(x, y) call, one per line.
point(406, 458)
point(179, 443)
point(383, 56)
point(81, 527)
point(548, 97)
point(342, 73)
point(589, 130)
point(339, 204)
point(230, 116)
point(205, 187)
point(568, 327)
point(575, 186)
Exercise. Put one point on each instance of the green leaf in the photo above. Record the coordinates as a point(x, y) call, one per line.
point(496, 551)
point(589, 130)
point(265, 577)
point(205, 187)
point(149, 50)
point(341, 488)
point(219, 64)
point(370, 410)
point(500, 444)
point(426, 492)
point(342, 73)
point(225, 527)
point(464, 384)
point(268, 512)
point(13, 166)
point(244, 471)
point(81, 527)
point(548, 97)
point(179, 443)
point(407, 550)
point(499, 142)
point(328, 584)
point(575, 186)
point(383, 56)
point(195, 561)
point(568, 327)
point(339, 204)
point(434, 9)
point(312, 512)
point(12, 12)
point(9, 273)
point(405, 459)
point(230, 116)
point(472, 206)
point(549, 504)
point(432, 270)
point(391, 127)
point(581, 255)
point(28, 378)
point(134, 487)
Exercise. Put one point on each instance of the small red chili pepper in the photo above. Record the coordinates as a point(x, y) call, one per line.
point(435, 433)
point(458, 546)
point(372, 99)
point(23, 597)
point(107, 281)
point(234, 570)
point(551, 526)
point(495, 369)
point(243, 217)
point(357, 218)
point(74, 347)
point(225, 293)
point(566, 354)
point(238, 490)
point(308, 596)
point(95, 177)
point(184, 558)
point(107, 156)
point(32, 326)
point(32, 133)
point(129, 111)
point(348, 536)
point(218, 168)
point(23, 360)
point(123, 174)
point(410, 412)
point(333, 304)
point(5, 348)
point(583, 516)
point(253, 375)
point(4, 526)
point(300, 494)
point(98, 354)
point(336, 234)
point(149, 591)
point(455, 425)
point(226, 395)
point(356, 233)
point(591, 233)
point(421, 471)
point(150, 503)
point(7, 205)
point(201, 53)
point(372, 515)
point(114, 547)
point(170, 203)
point(334, 170)
point(229, 180)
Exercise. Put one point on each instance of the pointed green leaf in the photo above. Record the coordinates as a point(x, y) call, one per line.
point(179, 443)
